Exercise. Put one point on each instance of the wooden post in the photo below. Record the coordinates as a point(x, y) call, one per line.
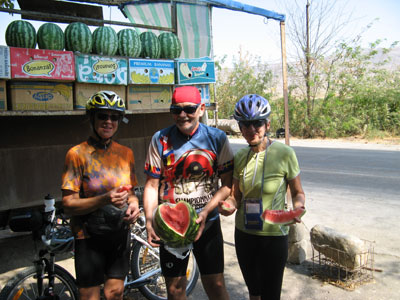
point(284, 79)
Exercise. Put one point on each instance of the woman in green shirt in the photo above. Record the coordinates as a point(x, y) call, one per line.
point(262, 173)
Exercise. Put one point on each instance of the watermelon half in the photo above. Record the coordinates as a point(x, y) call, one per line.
point(282, 217)
point(175, 224)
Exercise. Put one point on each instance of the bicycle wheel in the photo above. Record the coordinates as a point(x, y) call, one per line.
point(24, 285)
point(143, 261)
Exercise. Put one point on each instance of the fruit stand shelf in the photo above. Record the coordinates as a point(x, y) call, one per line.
point(72, 112)
point(81, 112)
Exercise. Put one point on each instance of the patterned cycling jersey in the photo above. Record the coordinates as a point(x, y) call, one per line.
point(91, 171)
point(188, 169)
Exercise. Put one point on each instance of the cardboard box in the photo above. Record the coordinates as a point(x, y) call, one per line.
point(195, 71)
point(138, 97)
point(41, 95)
point(147, 71)
point(42, 64)
point(3, 95)
point(83, 91)
point(5, 71)
point(160, 96)
point(101, 69)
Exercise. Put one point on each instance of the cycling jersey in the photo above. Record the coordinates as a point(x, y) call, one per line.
point(280, 166)
point(188, 167)
point(91, 171)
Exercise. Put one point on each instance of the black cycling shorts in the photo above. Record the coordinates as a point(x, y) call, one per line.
point(208, 251)
point(101, 257)
point(262, 261)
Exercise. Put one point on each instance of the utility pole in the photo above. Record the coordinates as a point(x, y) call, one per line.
point(308, 75)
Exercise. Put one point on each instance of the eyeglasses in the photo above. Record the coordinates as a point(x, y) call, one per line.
point(255, 123)
point(105, 117)
point(189, 109)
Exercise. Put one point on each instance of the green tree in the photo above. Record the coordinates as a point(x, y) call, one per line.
point(249, 75)
point(7, 3)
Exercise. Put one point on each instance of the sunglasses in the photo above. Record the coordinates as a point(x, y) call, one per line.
point(255, 123)
point(189, 109)
point(105, 117)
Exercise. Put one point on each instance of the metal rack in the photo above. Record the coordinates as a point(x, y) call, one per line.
point(330, 270)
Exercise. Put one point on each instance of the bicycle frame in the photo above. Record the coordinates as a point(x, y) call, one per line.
point(136, 238)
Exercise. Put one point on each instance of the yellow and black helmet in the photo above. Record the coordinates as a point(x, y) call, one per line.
point(105, 100)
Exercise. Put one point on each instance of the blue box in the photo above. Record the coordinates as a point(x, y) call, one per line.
point(147, 71)
point(195, 71)
point(101, 69)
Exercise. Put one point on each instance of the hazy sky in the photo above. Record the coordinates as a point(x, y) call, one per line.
point(233, 30)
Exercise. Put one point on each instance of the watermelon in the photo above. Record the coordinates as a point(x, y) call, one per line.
point(282, 217)
point(150, 45)
point(21, 34)
point(129, 43)
point(105, 41)
point(50, 36)
point(78, 37)
point(227, 206)
point(175, 224)
point(170, 45)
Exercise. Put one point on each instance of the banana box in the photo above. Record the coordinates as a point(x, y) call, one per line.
point(5, 71)
point(83, 91)
point(34, 95)
point(195, 71)
point(3, 95)
point(147, 71)
point(101, 69)
point(138, 97)
point(40, 64)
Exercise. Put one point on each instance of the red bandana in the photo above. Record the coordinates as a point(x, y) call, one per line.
point(186, 94)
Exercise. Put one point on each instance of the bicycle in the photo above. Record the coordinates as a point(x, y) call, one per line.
point(49, 281)
point(45, 280)
point(145, 266)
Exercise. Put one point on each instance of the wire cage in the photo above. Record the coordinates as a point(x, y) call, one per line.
point(332, 265)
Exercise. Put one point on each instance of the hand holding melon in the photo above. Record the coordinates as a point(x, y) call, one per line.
point(283, 217)
point(226, 208)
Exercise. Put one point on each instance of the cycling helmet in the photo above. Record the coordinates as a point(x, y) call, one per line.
point(105, 100)
point(252, 107)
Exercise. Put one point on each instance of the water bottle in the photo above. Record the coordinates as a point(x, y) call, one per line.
point(48, 203)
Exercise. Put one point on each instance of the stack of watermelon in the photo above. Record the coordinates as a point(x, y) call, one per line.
point(77, 37)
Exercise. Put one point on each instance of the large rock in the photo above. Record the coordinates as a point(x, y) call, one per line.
point(346, 250)
point(299, 243)
point(298, 252)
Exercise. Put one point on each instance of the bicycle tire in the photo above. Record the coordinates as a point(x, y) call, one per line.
point(25, 283)
point(156, 289)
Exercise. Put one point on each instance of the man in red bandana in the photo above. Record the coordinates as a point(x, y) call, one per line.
point(184, 163)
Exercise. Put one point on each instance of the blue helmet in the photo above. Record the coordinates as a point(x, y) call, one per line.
point(252, 107)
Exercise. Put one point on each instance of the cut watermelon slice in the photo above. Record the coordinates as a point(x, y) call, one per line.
point(282, 217)
point(227, 206)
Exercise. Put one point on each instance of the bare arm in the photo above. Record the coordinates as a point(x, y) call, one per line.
point(150, 203)
point(74, 205)
point(296, 190)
